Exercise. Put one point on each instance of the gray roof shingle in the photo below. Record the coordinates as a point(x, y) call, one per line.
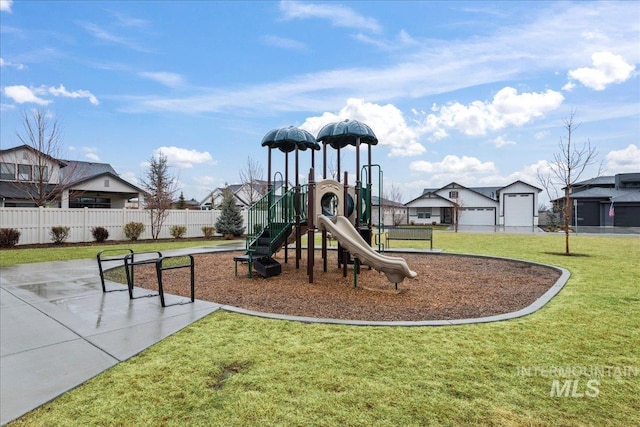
point(77, 171)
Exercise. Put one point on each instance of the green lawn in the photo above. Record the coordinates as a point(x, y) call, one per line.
point(233, 370)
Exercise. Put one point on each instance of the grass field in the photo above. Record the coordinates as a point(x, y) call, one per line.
point(233, 370)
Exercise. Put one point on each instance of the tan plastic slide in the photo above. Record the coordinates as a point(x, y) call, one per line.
point(395, 268)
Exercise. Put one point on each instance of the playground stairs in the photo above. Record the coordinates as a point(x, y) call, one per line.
point(268, 242)
point(271, 220)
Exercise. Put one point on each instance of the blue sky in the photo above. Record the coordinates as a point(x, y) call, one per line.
point(472, 92)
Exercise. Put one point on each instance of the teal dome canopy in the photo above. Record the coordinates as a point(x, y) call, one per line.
point(347, 132)
point(288, 138)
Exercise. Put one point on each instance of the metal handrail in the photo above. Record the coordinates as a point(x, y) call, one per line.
point(160, 267)
point(282, 215)
point(105, 256)
point(258, 218)
point(276, 214)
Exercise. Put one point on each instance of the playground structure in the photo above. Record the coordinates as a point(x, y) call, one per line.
point(283, 214)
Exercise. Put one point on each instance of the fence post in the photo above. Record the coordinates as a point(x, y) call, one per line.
point(124, 221)
point(41, 224)
point(85, 224)
point(187, 222)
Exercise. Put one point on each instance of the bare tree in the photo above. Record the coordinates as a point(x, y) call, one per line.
point(567, 167)
point(394, 208)
point(161, 187)
point(332, 165)
point(42, 181)
point(251, 176)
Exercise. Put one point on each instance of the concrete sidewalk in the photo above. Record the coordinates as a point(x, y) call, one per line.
point(58, 329)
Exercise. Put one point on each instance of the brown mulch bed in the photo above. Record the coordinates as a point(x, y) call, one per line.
point(447, 287)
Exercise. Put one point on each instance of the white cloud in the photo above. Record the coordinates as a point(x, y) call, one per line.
point(284, 43)
point(90, 153)
point(5, 5)
point(207, 181)
point(402, 40)
point(165, 78)
point(4, 63)
point(607, 69)
point(338, 15)
point(626, 160)
point(433, 67)
point(24, 95)
point(130, 177)
point(104, 35)
point(204, 184)
point(184, 158)
point(62, 91)
point(386, 121)
point(458, 168)
point(508, 108)
point(129, 21)
point(405, 38)
point(501, 141)
point(529, 173)
point(541, 135)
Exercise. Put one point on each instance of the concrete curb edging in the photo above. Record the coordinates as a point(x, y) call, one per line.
point(532, 308)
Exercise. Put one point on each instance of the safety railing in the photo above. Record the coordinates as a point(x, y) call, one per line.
point(110, 256)
point(130, 259)
point(258, 217)
point(176, 262)
point(282, 215)
point(273, 215)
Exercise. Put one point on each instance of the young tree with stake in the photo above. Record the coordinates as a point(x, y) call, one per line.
point(567, 167)
point(161, 187)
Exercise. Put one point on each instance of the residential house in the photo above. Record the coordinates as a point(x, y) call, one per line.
point(29, 178)
point(392, 213)
point(191, 205)
point(612, 200)
point(511, 205)
point(245, 194)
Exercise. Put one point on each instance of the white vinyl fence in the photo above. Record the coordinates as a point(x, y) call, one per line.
point(35, 224)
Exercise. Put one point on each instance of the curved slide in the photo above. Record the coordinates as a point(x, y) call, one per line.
point(395, 268)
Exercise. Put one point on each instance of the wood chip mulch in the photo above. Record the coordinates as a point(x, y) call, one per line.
point(447, 287)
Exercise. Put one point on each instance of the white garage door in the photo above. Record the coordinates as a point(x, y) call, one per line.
point(477, 216)
point(518, 210)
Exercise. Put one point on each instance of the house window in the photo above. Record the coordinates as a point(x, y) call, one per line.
point(8, 171)
point(453, 194)
point(41, 173)
point(106, 182)
point(20, 205)
point(24, 173)
point(424, 213)
point(90, 202)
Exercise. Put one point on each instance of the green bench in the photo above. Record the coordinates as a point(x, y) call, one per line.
point(408, 234)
